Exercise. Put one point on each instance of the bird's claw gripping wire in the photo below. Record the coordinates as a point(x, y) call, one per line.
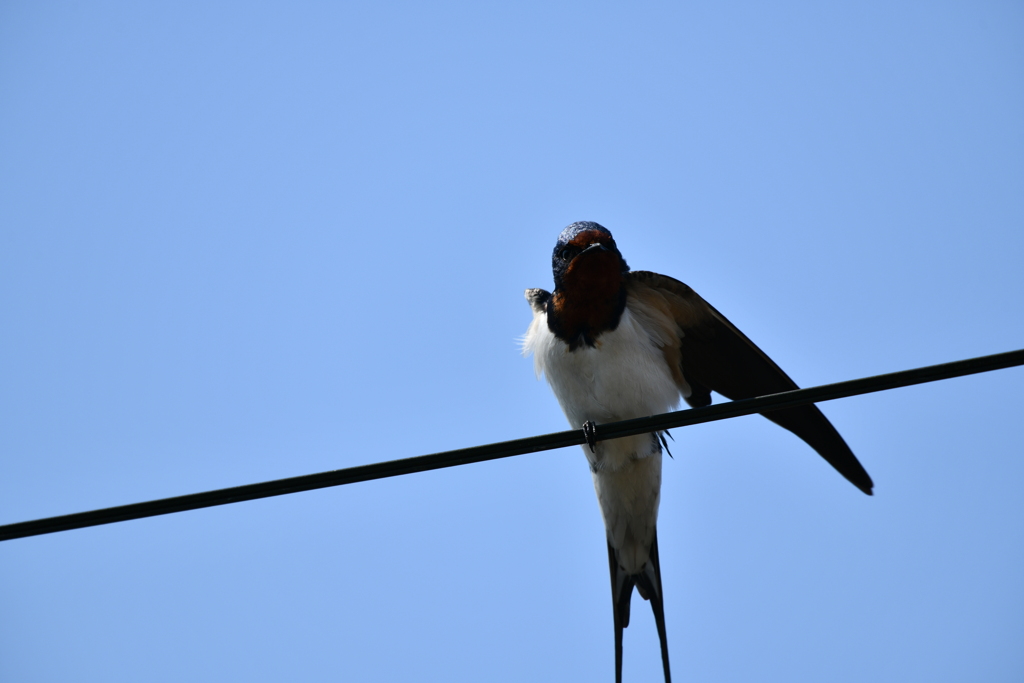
point(590, 434)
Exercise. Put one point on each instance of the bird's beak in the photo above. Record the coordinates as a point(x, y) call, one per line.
point(596, 246)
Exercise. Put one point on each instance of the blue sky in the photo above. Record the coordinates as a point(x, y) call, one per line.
point(247, 241)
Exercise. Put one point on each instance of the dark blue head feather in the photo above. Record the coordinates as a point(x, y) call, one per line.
point(576, 228)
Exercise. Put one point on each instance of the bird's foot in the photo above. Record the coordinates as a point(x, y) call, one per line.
point(664, 443)
point(590, 434)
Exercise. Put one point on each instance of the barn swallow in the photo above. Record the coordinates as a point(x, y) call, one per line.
point(617, 344)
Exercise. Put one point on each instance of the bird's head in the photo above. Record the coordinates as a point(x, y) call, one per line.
point(585, 257)
point(590, 292)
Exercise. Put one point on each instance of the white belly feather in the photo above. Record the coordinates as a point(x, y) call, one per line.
point(624, 376)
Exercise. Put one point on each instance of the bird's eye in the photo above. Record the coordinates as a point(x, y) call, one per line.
point(566, 254)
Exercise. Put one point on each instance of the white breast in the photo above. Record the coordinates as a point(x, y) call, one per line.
point(624, 376)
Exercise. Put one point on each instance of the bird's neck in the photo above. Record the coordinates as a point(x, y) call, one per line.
point(587, 302)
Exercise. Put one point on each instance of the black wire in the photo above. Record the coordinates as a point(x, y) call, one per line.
point(464, 456)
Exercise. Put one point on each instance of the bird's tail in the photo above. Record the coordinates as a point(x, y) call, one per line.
point(648, 584)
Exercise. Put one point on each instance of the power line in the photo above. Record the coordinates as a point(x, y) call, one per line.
point(506, 449)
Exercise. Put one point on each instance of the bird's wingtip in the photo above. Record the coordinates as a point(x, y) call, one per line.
point(867, 488)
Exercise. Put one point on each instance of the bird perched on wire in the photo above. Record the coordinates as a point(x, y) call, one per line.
point(616, 345)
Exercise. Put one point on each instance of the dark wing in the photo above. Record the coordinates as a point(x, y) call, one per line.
point(715, 356)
